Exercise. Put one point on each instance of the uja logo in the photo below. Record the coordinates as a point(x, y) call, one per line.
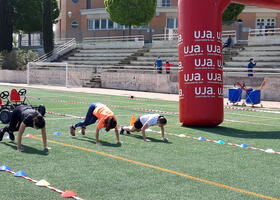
point(197, 77)
point(203, 62)
point(207, 91)
point(203, 34)
point(214, 77)
point(192, 49)
point(207, 34)
point(213, 48)
point(192, 77)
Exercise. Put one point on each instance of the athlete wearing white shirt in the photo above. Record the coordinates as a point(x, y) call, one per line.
point(145, 121)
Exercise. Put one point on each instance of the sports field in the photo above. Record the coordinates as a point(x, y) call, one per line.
point(184, 168)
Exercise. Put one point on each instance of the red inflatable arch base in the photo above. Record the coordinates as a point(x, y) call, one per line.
point(200, 59)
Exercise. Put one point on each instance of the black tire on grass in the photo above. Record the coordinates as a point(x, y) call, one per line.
point(5, 116)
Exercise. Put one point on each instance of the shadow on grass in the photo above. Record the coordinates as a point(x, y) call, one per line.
point(28, 149)
point(92, 140)
point(233, 132)
point(152, 139)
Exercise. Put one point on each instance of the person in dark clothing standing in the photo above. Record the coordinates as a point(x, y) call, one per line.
point(251, 65)
point(24, 116)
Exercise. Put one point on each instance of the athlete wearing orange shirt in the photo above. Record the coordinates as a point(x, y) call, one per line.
point(106, 119)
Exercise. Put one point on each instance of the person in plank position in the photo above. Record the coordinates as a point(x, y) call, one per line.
point(105, 117)
point(145, 121)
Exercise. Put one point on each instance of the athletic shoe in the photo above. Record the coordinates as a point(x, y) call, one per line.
point(83, 130)
point(72, 130)
point(1, 134)
point(122, 131)
point(128, 132)
point(11, 136)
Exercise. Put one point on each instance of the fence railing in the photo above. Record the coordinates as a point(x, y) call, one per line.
point(173, 35)
point(264, 36)
point(58, 51)
point(132, 38)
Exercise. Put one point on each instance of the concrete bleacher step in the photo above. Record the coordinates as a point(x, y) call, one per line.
point(164, 50)
point(262, 48)
point(102, 54)
point(95, 58)
point(96, 63)
point(155, 55)
point(152, 59)
point(258, 59)
point(259, 64)
point(275, 70)
point(108, 50)
point(148, 63)
point(259, 53)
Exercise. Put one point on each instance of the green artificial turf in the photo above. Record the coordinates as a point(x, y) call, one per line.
point(178, 169)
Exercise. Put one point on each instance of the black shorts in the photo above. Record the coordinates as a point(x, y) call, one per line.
point(138, 124)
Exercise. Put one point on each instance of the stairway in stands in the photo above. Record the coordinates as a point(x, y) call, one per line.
point(267, 58)
point(268, 64)
point(132, 59)
point(101, 58)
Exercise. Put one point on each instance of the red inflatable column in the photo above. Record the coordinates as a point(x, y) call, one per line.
point(200, 62)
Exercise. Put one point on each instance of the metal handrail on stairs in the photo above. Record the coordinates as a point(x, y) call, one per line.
point(58, 51)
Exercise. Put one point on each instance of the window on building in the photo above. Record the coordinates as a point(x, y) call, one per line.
point(75, 1)
point(172, 23)
point(264, 23)
point(110, 24)
point(165, 3)
point(89, 4)
point(90, 24)
point(74, 24)
point(103, 23)
point(97, 24)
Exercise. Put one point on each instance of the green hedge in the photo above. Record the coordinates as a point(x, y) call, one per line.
point(17, 59)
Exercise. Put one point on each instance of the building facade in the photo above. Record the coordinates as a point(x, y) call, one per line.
point(88, 18)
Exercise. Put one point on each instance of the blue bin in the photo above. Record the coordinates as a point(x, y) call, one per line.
point(234, 95)
point(253, 97)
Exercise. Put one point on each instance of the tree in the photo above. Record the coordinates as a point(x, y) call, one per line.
point(28, 15)
point(47, 24)
point(131, 12)
point(6, 26)
point(231, 13)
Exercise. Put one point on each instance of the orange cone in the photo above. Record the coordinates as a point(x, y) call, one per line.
point(29, 136)
point(68, 194)
point(132, 120)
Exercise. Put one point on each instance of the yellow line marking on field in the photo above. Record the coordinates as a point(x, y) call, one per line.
point(163, 169)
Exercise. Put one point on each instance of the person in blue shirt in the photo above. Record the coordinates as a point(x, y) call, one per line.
point(158, 65)
point(251, 65)
point(228, 42)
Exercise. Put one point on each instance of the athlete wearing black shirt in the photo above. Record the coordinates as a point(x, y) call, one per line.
point(24, 116)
